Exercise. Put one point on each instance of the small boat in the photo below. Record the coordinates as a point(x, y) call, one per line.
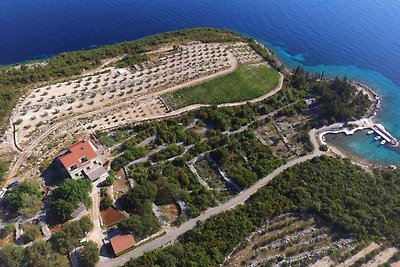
point(370, 132)
point(377, 138)
point(383, 142)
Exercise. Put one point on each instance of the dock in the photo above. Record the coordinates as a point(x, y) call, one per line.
point(385, 135)
point(362, 124)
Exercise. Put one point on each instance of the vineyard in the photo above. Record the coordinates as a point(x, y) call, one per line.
point(246, 83)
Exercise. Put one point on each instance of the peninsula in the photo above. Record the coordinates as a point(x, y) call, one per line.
point(193, 147)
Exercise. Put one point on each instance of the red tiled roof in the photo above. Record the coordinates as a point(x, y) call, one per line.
point(120, 243)
point(111, 216)
point(76, 152)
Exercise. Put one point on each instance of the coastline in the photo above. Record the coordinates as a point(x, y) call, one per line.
point(368, 119)
point(342, 152)
point(373, 96)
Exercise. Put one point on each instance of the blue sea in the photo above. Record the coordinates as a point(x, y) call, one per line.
point(359, 39)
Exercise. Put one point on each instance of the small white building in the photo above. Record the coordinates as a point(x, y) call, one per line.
point(122, 72)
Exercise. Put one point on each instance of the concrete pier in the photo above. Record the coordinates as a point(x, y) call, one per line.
point(361, 124)
point(382, 132)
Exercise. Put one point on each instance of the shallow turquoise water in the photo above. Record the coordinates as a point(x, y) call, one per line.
point(359, 39)
point(364, 146)
point(360, 144)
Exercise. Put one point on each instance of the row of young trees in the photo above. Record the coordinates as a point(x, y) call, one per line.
point(14, 79)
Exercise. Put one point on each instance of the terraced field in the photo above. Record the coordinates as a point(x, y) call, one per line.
point(289, 240)
point(247, 82)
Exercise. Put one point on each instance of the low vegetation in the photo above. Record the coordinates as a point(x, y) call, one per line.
point(26, 198)
point(3, 169)
point(53, 252)
point(131, 153)
point(170, 151)
point(246, 83)
point(343, 194)
point(31, 232)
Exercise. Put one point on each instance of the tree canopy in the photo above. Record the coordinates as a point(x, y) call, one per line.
point(26, 197)
point(68, 195)
point(340, 101)
point(89, 255)
point(40, 254)
point(70, 235)
point(11, 255)
point(362, 205)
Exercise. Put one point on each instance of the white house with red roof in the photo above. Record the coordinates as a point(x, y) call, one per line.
point(83, 160)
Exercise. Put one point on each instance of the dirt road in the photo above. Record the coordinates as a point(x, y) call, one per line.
point(96, 235)
point(25, 154)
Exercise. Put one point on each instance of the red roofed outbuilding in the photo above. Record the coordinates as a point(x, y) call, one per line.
point(122, 243)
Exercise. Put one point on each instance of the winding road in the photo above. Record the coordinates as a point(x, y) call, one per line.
point(173, 234)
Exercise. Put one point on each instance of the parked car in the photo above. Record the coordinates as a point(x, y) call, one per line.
point(3, 192)
point(13, 184)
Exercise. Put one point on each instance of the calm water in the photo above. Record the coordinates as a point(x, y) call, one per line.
point(357, 38)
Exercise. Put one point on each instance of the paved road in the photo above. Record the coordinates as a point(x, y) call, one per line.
point(173, 234)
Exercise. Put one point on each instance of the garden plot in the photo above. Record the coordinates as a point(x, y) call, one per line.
point(269, 135)
point(222, 190)
point(290, 239)
point(171, 212)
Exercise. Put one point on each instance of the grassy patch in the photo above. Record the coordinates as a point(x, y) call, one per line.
point(246, 83)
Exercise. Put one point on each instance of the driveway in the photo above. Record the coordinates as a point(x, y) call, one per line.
point(96, 235)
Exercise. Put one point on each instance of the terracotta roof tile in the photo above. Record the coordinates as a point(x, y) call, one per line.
point(120, 243)
point(111, 216)
point(76, 152)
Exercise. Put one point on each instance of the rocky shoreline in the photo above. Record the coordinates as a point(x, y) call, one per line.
point(373, 96)
point(367, 122)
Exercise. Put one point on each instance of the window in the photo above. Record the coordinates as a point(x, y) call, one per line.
point(73, 167)
point(84, 159)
